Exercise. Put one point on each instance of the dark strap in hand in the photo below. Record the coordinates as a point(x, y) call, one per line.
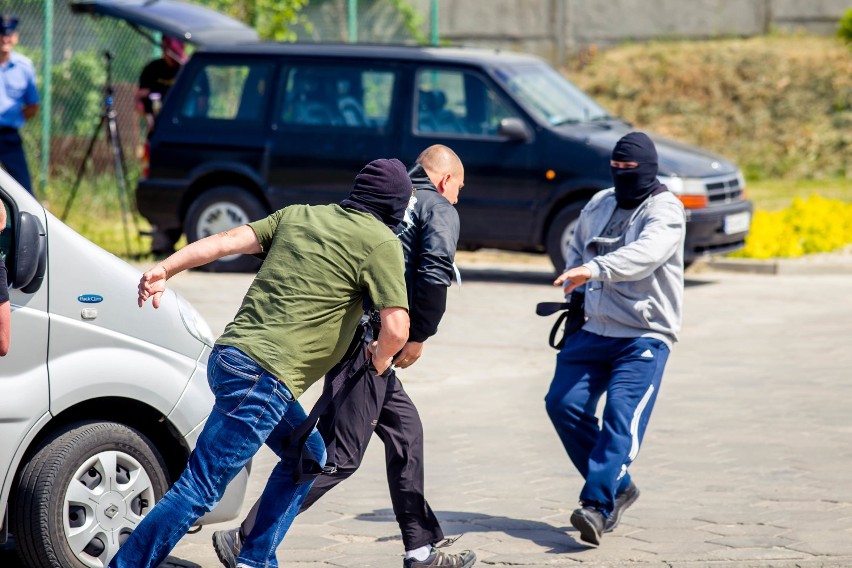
point(573, 317)
point(550, 308)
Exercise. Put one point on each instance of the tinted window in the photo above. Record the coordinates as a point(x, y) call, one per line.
point(337, 97)
point(227, 92)
point(457, 102)
point(548, 95)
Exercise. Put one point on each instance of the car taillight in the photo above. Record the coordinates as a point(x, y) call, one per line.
point(146, 159)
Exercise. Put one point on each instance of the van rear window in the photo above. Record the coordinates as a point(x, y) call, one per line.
point(227, 92)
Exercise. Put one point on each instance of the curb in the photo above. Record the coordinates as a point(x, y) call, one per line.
point(822, 264)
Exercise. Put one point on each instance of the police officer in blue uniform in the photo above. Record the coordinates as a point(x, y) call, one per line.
point(18, 101)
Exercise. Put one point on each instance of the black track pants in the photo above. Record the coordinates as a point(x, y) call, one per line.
point(379, 404)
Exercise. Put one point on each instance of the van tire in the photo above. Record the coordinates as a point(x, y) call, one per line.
point(561, 228)
point(44, 497)
point(220, 209)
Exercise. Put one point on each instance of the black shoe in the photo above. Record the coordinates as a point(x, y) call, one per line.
point(590, 522)
point(465, 559)
point(622, 501)
point(227, 545)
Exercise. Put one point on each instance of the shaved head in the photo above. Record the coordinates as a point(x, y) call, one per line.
point(444, 169)
point(438, 160)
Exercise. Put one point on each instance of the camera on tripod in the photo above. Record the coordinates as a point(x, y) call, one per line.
point(107, 122)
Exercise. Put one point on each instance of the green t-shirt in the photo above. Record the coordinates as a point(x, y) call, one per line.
point(301, 311)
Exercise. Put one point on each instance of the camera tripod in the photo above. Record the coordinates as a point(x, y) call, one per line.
point(107, 122)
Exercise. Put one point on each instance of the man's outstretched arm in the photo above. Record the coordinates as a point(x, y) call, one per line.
point(240, 240)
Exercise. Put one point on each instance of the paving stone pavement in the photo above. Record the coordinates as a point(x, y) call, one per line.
point(746, 462)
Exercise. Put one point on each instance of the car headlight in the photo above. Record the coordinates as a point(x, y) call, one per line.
point(691, 191)
point(194, 322)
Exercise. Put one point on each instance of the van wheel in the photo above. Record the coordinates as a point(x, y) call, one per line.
point(82, 493)
point(220, 209)
point(561, 232)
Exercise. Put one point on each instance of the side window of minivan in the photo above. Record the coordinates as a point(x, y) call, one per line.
point(227, 93)
point(335, 96)
point(451, 101)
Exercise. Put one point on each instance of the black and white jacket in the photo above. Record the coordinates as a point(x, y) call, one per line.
point(429, 235)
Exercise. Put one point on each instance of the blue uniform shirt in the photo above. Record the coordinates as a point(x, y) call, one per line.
point(17, 89)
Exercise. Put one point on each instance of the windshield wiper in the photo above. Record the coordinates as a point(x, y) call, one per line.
point(559, 121)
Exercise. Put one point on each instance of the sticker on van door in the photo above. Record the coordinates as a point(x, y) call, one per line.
point(90, 298)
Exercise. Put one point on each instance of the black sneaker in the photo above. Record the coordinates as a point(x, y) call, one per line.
point(622, 501)
point(590, 522)
point(227, 545)
point(464, 559)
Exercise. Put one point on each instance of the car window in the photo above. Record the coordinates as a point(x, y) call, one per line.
point(548, 95)
point(227, 92)
point(450, 101)
point(336, 96)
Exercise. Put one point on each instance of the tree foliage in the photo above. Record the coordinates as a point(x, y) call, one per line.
point(273, 19)
point(844, 30)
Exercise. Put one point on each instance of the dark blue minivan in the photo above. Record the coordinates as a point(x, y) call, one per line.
point(250, 128)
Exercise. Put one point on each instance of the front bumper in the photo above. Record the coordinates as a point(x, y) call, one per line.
point(717, 229)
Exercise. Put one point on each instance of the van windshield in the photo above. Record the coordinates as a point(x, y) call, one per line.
point(548, 95)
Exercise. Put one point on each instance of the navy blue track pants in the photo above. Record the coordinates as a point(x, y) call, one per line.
point(629, 371)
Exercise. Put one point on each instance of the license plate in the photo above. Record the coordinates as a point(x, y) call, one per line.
point(737, 223)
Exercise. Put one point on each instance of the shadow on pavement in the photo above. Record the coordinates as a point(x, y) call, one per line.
point(533, 276)
point(510, 275)
point(557, 540)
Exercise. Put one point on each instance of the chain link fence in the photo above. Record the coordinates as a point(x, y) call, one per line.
point(79, 44)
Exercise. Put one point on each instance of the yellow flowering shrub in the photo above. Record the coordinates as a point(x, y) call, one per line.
point(808, 226)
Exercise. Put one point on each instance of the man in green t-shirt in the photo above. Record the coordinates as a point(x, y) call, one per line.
point(294, 324)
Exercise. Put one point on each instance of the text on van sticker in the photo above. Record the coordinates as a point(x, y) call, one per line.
point(90, 298)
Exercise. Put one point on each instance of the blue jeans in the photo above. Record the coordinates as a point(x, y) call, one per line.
point(252, 407)
point(629, 371)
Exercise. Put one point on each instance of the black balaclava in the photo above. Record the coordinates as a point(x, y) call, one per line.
point(382, 189)
point(634, 185)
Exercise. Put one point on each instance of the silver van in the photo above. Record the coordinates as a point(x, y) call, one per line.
point(100, 402)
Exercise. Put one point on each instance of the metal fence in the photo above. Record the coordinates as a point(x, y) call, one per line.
point(69, 53)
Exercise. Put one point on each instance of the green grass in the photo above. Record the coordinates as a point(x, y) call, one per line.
point(777, 194)
point(96, 213)
point(780, 105)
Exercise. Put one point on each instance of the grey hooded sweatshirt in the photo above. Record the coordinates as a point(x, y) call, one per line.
point(636, 289)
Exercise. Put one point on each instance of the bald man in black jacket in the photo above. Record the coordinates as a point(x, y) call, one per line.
point(377, 403)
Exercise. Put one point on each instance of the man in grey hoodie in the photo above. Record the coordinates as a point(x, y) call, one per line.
point(626, 257)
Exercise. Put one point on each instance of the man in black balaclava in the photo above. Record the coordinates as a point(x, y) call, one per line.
point(627, 257)
point(294, 326)
point(382, 189)
point(634, 170)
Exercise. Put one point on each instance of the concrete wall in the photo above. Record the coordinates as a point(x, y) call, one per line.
point(555, 28)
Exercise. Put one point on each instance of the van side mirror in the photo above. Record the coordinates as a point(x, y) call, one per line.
point(30, 254)
point(514, 129)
